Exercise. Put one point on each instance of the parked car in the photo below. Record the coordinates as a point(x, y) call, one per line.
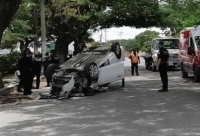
point(89, 70)
point(171, 44)
point(190, 52)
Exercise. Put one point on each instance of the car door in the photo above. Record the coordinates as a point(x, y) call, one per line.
point(189, 60)
point(111, 72)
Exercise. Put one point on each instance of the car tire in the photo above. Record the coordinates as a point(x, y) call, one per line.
point(91, 72)
point(88, 91)
point(80, 47)
point(184, 74)
point(123, 82)
point(51, 70)
point(146, 65)
point(196, 75)
point(116, 49)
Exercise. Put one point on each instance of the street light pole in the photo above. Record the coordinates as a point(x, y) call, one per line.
point(43, 28)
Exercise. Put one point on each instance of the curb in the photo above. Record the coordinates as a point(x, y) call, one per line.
point(11, 88)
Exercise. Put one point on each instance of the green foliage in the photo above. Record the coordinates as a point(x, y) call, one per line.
point(180, 14)
point(20, 26)
point(95, 44)
point(9, 63)
point(141, 42)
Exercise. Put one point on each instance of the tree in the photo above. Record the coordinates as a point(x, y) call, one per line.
point(144, 39)
point(70, 21)
point(141, 42)
point(21, 27)
point(133, 13)
point(8, 9)
point(179, 14)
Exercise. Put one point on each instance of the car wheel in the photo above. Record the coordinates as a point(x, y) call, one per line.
point(80, 47)
point(116, 49)
point(184, 74)
point(51, 70)
point(196, 75)
point(91, 71)
point(88, 91)
point(146, 65)
point(123, 82)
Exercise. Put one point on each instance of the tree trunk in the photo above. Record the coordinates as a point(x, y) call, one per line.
point(62, 44)
point(1, 81)
point(8, 9)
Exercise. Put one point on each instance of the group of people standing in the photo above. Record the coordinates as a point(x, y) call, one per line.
point(30, 66)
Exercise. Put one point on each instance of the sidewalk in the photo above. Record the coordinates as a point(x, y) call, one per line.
point(10, 85)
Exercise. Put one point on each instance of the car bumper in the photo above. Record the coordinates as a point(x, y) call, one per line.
point(174, 63)
point(64, 88)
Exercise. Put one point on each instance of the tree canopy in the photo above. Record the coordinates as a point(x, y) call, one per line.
point(70, 20)
point(141, 42)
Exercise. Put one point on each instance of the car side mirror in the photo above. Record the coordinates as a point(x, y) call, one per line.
point(191, 51)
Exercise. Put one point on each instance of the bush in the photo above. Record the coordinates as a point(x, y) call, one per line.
point(8, 63)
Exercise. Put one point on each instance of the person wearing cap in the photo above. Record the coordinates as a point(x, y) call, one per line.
point(163, 56)
point(25, 64)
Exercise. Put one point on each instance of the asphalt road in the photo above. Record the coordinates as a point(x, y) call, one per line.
point(136, 110)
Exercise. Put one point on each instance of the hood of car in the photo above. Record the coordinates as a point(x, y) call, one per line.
point(80, 60)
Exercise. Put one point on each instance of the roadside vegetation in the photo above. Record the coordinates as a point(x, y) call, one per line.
point(74, 21)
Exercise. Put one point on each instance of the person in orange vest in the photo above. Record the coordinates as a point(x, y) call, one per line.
point(135, 59)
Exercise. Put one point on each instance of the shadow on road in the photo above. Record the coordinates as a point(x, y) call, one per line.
point(136, 110)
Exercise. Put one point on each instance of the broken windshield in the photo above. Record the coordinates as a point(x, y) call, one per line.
point(168, 43)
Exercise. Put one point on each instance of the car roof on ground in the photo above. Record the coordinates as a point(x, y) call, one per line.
point(165, 38)
point(102, 48)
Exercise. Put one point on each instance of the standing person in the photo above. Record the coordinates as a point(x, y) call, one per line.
point(37, 69)
point(163, 56)
point(26, 71)
point(135, 59)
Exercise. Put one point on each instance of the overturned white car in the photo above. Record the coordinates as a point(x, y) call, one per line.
point(89, 70)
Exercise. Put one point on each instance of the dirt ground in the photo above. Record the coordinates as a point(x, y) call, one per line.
point(18, 97)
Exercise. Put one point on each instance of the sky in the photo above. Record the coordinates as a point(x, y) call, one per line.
point(126, 33)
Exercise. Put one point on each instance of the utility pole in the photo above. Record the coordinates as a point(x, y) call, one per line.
point(120, 36)
point(43, 28)
point(105, 35)
point(101, 35)
point(36, 42)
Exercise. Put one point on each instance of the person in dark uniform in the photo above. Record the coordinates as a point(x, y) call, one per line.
point(163, 56)
point(25, 64)
point(37, 69)
point(53, 59)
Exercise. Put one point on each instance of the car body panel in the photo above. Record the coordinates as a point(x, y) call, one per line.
point(110, 68)
point(112, 72)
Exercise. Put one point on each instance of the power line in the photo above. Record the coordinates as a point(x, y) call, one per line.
point(101, 35)
point(105, 35)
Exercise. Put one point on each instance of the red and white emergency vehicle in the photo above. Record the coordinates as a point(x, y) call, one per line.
point(189, 48)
